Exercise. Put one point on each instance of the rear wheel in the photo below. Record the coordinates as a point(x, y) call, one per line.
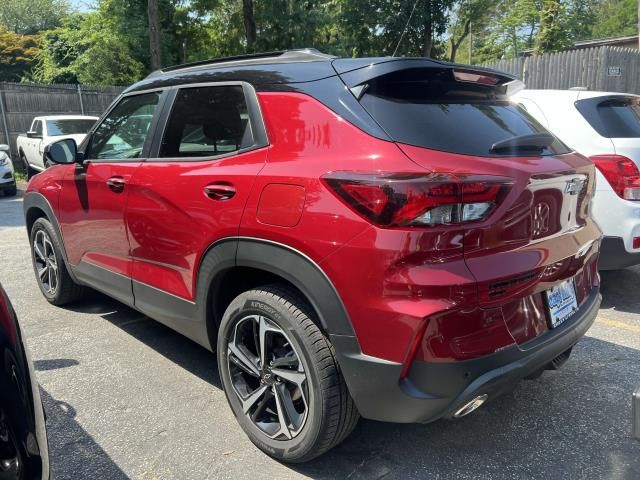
point(281, 377)
point(52, 276)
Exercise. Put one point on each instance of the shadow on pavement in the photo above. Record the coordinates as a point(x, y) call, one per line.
point(54, 364)
point(620, 289)
point(573, 423)
point(174, 346)
point(73, 453)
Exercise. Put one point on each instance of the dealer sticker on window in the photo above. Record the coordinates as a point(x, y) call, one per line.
point(562, 302)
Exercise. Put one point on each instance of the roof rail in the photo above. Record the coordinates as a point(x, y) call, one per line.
point(305, 54)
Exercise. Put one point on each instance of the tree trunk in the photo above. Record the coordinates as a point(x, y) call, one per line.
point(249, 24)
point(455, 45)
point(154, 34)
point(428, 30)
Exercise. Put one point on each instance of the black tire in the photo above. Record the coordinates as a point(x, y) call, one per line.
point(11, 192)
point(330, 414)
point(59, 288)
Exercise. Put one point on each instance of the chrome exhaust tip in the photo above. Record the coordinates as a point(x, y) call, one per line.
point(471, 406)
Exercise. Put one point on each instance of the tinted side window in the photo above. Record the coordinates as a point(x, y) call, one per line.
point(612, 117)
point(429, 108)
point(207, 121)
point(38, 127)
point(621, 118)
point(124, 130)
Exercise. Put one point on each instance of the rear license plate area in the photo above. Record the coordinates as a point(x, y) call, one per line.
point(562, 302)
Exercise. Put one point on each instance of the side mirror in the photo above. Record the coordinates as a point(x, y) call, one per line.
point(63, 151)
point(33, 134)
point(4, 147)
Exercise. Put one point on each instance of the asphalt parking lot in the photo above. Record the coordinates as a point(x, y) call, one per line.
point(128, 398)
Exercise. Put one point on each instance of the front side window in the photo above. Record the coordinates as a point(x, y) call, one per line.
point(122, 134)
point(37, 127)
point(207, 121)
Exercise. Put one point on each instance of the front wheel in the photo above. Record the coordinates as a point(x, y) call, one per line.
point(281, 377)
point(52, 276)
point(30, 172)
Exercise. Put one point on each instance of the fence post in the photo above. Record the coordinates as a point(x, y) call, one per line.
point(4, 120)
point(80, 98)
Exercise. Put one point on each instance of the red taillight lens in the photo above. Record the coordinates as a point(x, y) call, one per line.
point(413, 200)
point(621, 173)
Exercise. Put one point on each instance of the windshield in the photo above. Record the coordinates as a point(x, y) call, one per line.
point(68, 126)
point(429, 108)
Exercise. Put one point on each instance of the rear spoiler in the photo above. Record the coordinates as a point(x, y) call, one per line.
point(358, 71)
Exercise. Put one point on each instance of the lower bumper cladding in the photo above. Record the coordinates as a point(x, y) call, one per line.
point(434, 390)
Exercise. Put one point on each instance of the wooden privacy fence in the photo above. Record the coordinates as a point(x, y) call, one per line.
point(610, 69)
point(20, 102)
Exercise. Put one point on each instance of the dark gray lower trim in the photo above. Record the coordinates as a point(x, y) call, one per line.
point(8, 186)
point(177, 313)
point(613, 255)
point(108, 282)
point(435, 390)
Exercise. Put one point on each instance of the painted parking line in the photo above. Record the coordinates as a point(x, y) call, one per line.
point(618, 324)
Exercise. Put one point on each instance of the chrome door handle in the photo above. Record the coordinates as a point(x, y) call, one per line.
point(220, 191)
point(116, 184)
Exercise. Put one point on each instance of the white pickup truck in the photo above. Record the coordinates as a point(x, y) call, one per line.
point(46, 130)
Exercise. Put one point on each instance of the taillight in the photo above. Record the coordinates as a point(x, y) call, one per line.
point(413, 200)
point(621, 173)
point(473, 76)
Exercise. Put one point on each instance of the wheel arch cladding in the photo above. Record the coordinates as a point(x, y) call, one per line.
point(260, 262)
point(37, 206)
point(304, 274)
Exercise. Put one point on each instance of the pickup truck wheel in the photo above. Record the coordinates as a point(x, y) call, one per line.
point(281, 377)
point(27, 168)
point(52, 275)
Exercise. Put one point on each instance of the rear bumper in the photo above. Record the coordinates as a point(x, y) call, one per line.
point(435, 390)
point(7, 184)
point(614, 255)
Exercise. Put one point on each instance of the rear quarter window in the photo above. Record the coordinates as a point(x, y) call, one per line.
point(613, 116)
point(429, 108)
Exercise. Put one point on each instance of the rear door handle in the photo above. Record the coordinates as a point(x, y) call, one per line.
point(220, 191)
point(116, 184)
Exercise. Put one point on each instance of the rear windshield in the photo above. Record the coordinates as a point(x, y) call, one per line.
point(429, 108)
point(615, 117)
point(68, 127)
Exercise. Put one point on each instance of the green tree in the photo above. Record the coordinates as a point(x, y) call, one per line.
point(32, 16)
point(17, 55)
point(552, 36)
point(86, 49)
point(467, 14)
point(615, 18)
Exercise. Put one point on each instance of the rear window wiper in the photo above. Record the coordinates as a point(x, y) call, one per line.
point(534, 142)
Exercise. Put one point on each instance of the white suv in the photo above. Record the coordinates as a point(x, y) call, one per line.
point(605, 127)
point(7, 175)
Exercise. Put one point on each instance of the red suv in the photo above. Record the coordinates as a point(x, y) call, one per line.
point(379, 237)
